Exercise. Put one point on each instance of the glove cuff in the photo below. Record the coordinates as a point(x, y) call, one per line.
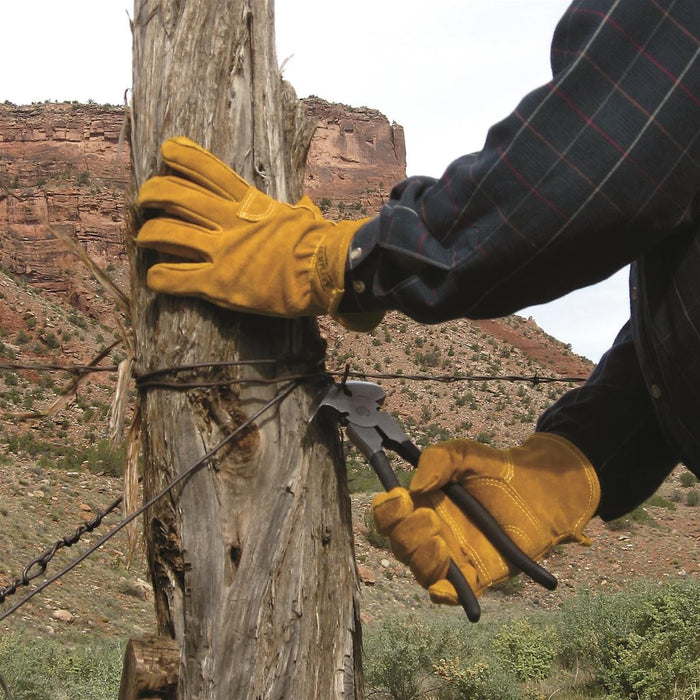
point(571, 480)
point(328, 277)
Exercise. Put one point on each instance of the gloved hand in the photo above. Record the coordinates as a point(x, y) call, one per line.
point(541, 493)
point(249, 252)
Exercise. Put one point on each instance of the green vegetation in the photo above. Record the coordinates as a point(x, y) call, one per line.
point(39, 669)
point(688, 479)
point(97, 457)
point(643, 643)
point(362, 478)
point(374, 537)
point(639, 516)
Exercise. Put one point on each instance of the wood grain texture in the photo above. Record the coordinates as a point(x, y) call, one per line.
point(252, 558)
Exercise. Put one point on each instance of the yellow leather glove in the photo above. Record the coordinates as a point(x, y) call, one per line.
point(541, 494)
point(249, 252)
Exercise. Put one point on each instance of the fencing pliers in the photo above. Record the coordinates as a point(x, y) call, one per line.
point(357, 406)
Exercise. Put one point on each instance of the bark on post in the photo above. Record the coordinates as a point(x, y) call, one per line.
point(251, 559)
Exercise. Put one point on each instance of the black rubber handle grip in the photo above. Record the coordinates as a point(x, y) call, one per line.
point(382, 467)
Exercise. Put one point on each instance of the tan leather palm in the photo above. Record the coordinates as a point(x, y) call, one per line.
point(245, 250)
point(541, 494)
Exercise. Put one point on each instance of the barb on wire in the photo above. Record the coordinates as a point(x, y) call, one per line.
point(278, 398)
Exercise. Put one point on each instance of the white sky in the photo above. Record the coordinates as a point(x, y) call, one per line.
point(444, 70)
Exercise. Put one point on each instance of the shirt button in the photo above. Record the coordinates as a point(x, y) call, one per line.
point(355, 253)
point(359, 286)
point(655, 391)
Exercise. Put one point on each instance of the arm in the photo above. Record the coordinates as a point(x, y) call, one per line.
point(589, 171)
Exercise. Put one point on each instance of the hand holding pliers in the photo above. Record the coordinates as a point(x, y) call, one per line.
point(357, 406)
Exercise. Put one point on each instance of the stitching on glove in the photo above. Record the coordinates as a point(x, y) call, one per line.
point(439, 504)
point(515, 530)
point(517, 501)
point(510, 468)
point(248, 200)
point(581, 522)
point(587, 471)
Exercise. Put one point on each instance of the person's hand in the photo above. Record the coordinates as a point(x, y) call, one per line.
point(244, 250)
point(541, 494)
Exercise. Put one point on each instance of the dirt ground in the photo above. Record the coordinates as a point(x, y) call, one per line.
point(107, 596)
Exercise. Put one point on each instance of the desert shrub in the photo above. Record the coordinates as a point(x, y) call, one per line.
point(485, 437)
point(399, 657)
point(643, 643)
point(660, 502)
point(97, 457)
point(413, 657)
point(639, 516)
point(475, 680)
point(692, 498)
point(589, 625)
point(660, 654)
point(528, 649)
point(361, 477)
point(687, 479)
point(51, 340)
point(374, 537)
point(511, 586)
point(36, 669)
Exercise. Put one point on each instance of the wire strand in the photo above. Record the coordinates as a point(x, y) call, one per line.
point(278, 398)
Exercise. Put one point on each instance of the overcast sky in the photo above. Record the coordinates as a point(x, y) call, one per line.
point(445, 70)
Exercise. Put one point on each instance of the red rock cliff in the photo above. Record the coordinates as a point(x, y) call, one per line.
point(62, 164)
point(67, 164)
point(355, 157)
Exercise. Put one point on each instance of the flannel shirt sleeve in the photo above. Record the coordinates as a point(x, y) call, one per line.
point(612, 419)
point(589, 172)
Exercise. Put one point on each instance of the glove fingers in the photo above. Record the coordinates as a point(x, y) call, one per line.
point(178, 278)
point(443, 592)
point(178, 238)
point(430, 561)
point(179, 197)
point(203, 167)
point(453, 460)
point(390, 508)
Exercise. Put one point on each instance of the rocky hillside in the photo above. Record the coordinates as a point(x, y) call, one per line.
point(67, 165)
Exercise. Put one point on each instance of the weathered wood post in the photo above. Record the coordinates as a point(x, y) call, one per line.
point(252, 557)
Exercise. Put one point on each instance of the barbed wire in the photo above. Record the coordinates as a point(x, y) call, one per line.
point(70, 369)
point(149, 379)
point(190, 471)
point(450, 378)
point(36, 567)
point(152, 379)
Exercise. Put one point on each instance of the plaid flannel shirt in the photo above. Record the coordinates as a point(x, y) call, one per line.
point(594, 170)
